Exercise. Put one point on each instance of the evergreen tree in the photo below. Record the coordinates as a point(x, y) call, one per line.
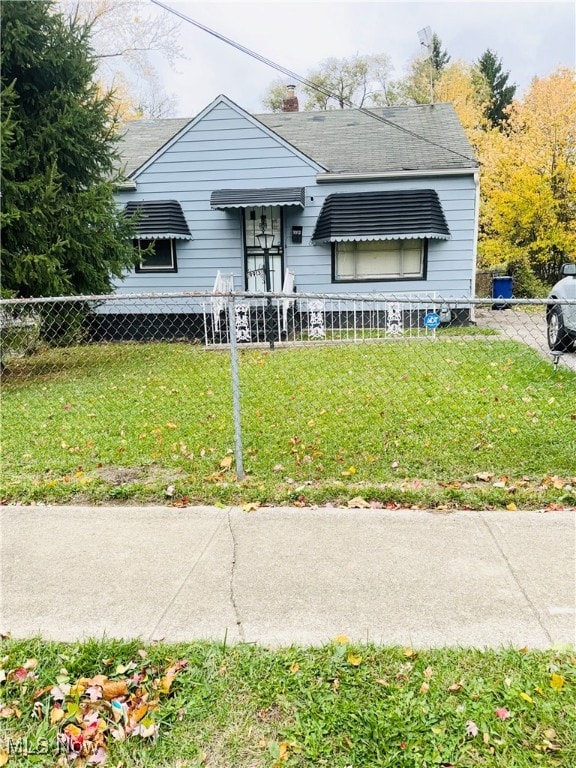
point(419, 86)
point(62, 232)
point(439, 57)
point(501, 94)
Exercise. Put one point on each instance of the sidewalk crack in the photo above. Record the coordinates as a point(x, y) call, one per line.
point(232, 574)
point(184, 581)
point(519, 584)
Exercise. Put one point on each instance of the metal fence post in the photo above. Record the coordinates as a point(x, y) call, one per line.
point(235, 389)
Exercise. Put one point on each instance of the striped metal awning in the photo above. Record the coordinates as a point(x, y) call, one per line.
point(221, 199)
point(381, 216)
point(159, 219)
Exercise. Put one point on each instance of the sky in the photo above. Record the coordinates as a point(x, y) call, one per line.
point(532, 38)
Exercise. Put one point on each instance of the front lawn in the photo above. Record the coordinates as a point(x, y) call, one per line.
point(446, 422)
point(206, 705)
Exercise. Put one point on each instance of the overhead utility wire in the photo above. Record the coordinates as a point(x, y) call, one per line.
point(304, 81)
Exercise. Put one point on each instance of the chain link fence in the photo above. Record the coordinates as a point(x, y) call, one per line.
point(290, 398)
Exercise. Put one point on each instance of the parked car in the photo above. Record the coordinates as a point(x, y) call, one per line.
point(561, 319)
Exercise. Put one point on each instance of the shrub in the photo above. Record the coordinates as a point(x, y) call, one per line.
point(526, 284)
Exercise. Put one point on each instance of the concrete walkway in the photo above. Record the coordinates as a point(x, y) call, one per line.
point(283, 576)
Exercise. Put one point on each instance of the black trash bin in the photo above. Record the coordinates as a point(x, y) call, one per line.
point(502, 288)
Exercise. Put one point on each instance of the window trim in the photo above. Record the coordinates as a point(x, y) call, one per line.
point(355, 281)
point(157, 269)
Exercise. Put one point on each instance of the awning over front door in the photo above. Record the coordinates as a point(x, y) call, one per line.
point(398, 215)
point(221, 199)
point(159, 219)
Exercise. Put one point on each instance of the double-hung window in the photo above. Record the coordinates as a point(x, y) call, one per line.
point(379, 260)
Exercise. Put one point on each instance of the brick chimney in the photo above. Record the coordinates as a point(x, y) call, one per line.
point(290, 101)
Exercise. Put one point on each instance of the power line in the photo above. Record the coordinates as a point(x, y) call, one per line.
point(305, 81)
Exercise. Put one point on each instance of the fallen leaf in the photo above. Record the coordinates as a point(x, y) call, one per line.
point(284, 747)
point(18, 675)
point(250, 506)
point(112, 689)
point(147, 729)
point(355, 661)
point(139, 712)
point(358, 503)
point(294, 667)
point(118, 733)
point(226, 462)
point(557, 682)
point(56, 714)
point(511, 507)
point(471, 728)
point(485, 477)
point(502, 713)
point(94, 692)
point(3, 757)
point(455, 687)
point(165, 684)
point(424, 688)
point(98, 757)
point(527, 698)
point(409, 653)
point(342, 639)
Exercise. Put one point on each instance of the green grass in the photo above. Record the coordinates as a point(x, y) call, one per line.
point(403, 422)
point(339, 705)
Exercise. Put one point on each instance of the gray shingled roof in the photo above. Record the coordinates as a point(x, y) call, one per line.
point(350, 141)
point(142, 138)
point(344, 140)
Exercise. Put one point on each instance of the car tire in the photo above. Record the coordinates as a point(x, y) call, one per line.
point(559, 340)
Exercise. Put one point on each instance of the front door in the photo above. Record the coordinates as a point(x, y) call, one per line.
point(258, 219)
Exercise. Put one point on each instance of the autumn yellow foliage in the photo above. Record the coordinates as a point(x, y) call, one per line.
point(528, 180)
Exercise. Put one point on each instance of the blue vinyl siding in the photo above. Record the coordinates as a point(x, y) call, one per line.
point(226, 149)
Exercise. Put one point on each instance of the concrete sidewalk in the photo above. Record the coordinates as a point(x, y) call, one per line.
point(283, 576)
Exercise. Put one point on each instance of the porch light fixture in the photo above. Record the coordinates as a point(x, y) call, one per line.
point(265, 240)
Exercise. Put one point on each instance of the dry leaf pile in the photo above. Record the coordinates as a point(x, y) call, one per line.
point(91, 712)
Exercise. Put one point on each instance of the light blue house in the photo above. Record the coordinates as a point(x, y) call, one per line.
point(357, 201)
